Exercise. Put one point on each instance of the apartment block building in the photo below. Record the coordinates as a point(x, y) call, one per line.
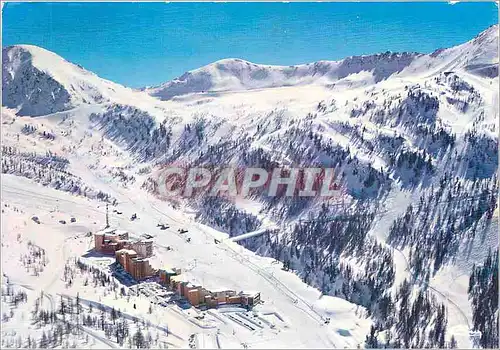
point(197, 295)
point(139, 268)
point(111, 240)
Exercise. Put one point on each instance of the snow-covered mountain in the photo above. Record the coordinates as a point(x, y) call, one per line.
point(237, 74)
point(413, 139)
point(38, 82)
point(478, 55)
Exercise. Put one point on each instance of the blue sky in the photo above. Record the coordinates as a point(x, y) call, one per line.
point(138, 44)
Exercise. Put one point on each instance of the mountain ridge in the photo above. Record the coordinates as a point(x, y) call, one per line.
point(38, 82)
point(215, 77)
point(237, 74)
point(67, 85)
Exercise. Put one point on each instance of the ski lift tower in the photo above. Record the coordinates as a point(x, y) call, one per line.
point(107, 216)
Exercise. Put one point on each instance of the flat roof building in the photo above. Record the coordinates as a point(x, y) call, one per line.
point(111, 240)
point(138, 267)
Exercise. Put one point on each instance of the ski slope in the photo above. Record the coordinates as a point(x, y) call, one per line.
point(216, 264)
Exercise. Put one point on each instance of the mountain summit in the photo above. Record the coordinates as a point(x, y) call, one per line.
point(479, 55)
point(236, 74)
point(39, 82)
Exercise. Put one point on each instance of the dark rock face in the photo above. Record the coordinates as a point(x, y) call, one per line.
point(26, 87)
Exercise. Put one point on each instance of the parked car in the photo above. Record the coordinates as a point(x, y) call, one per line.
point(73, 220)
point(62, 222)
point(36, 219)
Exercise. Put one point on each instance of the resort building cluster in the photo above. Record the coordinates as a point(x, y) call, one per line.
point(197, 295)
point(133, 256)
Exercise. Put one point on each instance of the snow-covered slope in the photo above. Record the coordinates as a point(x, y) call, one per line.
point(37, 82)
point(237, 74)
point(478, 56)
point(414, 139)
